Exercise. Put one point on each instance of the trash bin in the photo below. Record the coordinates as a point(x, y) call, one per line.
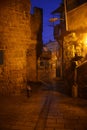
point(75, 90)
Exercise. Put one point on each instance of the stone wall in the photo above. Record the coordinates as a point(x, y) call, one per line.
point(31, 63)
point(14, 39)
point(35, 48)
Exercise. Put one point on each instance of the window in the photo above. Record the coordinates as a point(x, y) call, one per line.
point(1, 57)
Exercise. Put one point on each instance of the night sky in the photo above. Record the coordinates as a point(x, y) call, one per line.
point(48, 6)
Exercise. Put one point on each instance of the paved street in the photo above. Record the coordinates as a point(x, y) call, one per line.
point(46, 109)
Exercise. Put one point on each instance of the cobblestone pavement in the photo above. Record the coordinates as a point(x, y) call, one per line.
point(47, 109)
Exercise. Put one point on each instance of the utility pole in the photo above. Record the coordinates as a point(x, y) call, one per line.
point(65, 9)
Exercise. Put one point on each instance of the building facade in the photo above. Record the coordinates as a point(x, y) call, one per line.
point(16, 46)
point(35, 48)
point(48, 63)
point(75, 44)
point(73, 39)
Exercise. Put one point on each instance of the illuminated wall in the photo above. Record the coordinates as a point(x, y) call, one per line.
point(14, 40)
point(20, 44)
point(76, 41)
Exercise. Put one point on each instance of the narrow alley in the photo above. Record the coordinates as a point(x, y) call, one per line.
point(45, 109)
point(43, 65)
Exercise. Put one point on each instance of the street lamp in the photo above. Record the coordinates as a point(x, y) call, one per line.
point(66, 19)
point(55, 19)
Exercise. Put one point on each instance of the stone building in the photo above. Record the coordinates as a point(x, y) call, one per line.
point(75, 44)
point(16, 46)
point(48, 63)
point(53, 47)
point(73, 38)
point(70, 32)
point(75, 41)
point(35, 48)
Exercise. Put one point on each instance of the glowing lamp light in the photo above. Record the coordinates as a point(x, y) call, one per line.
point(85, 40)
point(84, 45)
